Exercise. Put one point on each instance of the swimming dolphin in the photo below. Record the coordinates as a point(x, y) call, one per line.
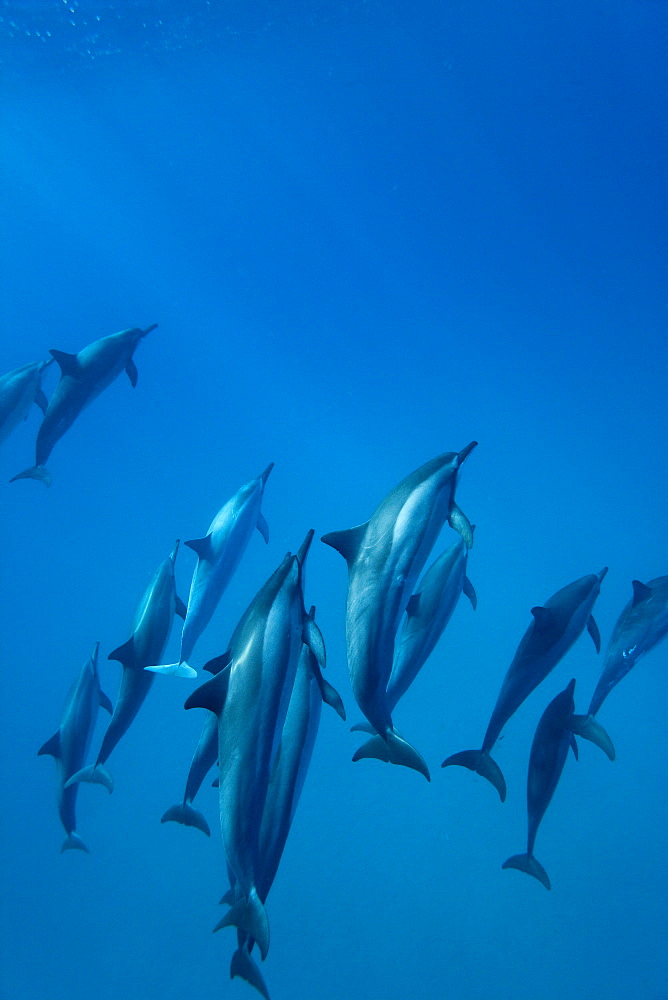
point(642, 624)
point(250, 697)
point(219, 554)
point(19, 389)
point(385, 557)
point(554, 734)
point(554, 629)
point(69, 744)
point(150, 631)
point(83, 377)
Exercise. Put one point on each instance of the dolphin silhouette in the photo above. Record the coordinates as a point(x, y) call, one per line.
point(19, 389)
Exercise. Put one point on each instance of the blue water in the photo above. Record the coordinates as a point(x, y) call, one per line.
point(370, 232)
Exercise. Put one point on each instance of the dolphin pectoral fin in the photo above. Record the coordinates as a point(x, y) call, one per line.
point(458, 520)
point(243, 966)
point(73, 842)
point(180, 608)
point(228, 898)
point(181, 669)
point(132, 373)
point(331, 697)
point(41, 400)
point(574, 746)
point(51, 747)
point(588, 728)
point(211, 694)
point(125, 654)
point(218, 663)
point(312, 637)
point(347, 542)
point(249, 915)
point(527, 863)
point(641, 592)
point(413, 606)
point(592, 628)
point(105, 703)
point(39, 472)
point(185, 814)
point(375, 749)
point(263, 527)
point(363, 727)
point(215, 783)
point(68, 363)
point(94, 774)
point(202, 547)
point(468, 590)
point(480, 762)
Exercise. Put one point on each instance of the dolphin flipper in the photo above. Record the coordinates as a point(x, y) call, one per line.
point(482, 763)
point(460, 522)
point(470, 592)
point(592, 628)
point(263, 527)
point(249, 915)
point(527, 863)
point(132, 373)
point(184, 813)
point(242, 965)
point(41, 400)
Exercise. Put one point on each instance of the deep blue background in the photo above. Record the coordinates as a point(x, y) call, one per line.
point(370, 232)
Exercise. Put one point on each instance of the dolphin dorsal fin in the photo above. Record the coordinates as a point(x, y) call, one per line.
point(105, 702)
point(125, 653)
point(201, 546)
point(69, 363)
point(413, 606)
point(51, 747)
point(218, 663)
point(543, 618)
point(179, 607)
point(592, 628)
point(468, 589)
point(641, 592)
point(212, 694)
point(347, 542)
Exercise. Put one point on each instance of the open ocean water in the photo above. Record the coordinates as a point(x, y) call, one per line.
point(370, 232)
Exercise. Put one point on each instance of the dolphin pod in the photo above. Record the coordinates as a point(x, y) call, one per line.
point(555, 628)
point(385, 556)
point(83, 377)
point(19, 389)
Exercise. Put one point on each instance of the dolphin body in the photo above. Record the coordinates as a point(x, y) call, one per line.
point(554, 629)
point(150, 631)
point(554, 734)
point(83, 377)
point(249, 696)
point(641, 626)
point(19, 389)
point(385, 557)
point(70, 743)
point(219, 554)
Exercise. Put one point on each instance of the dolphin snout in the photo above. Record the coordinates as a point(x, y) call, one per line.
point(465, 452)
point(602, 574)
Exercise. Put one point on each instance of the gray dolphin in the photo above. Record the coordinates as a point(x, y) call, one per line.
point(641, 626)
point(250, 697)
point(69, 744)
point(19, 389)
point(219, 554)
point(385, 557)
point(150, 631)
point(83, 377)
point(554, 734)
point(554, 629)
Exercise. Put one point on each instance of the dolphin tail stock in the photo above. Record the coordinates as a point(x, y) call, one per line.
point(588, 728)
point(39, 472)
point(482, 763)
point(393, 749)
point(181, 669)
point(94, 774)
point(527, 863)
point(187, 815)
point(73, 842)
point(242, 965)
point(249, 915)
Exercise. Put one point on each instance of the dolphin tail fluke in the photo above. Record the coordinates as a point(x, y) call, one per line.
point(94, 774)
point(374, 749)
point(363, 727)
point(242, 965)
point(188, 816)
point(588, 728)
point(34, 472)
point(480, 762)
point(249, 915)
point(73, 842)
point(393, 749)
point(181, 669)
point(527, 863)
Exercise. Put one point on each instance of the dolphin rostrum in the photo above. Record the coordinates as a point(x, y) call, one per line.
point(385, 557)
point(219, 554)
point(19, 389)
point(554, 734)
point(83, 377)
point(150, 631)
point(554, 629)
point(69, 745)
point(642, 624)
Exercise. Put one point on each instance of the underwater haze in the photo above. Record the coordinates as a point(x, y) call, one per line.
point(369, 233)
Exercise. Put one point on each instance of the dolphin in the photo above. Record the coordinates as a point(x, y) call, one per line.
point(641, 626)
point(19, 389)
point(385, 557)
point(219, 554)
point(69, 744)
point(554, 629)
point(554, 734)
point(249, 696)
point(150, 631)
point(83, 377)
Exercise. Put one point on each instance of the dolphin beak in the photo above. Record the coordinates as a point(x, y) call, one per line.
point(465, 452)
point(93, 655)
point(172, 554)
point(149, 329)
point(265, 474)
point(601, 575)
point(305, 546)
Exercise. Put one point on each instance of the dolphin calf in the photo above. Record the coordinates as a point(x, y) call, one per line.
point(554, 734)
point(69, 744)
point(19, 389)
point(250, 696)
point(642, 624)
point(83, 377)
point(150, 631)
point(219, 554)
point(385, 557)
point(554, 629)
